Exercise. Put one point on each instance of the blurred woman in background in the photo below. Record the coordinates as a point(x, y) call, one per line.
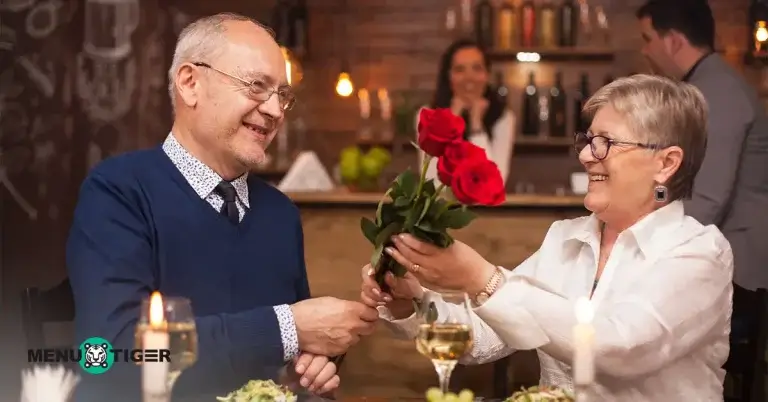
point(463, 86)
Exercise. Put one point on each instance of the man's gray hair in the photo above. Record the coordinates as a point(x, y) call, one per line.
point(201, 41)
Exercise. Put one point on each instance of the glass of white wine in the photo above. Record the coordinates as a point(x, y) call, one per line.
point(182, 334)
point(445, 331)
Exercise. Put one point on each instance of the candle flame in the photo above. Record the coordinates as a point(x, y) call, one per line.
point(156, 314)
point(584, 311)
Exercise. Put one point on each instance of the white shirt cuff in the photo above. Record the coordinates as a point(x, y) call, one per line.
point(506, 314)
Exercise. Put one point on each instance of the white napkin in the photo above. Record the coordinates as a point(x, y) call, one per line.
point(48, 384)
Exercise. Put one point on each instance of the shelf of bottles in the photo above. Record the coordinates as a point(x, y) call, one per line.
point(549, 30)
point(546, 122)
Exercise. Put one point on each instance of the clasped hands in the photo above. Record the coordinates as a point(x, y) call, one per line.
point(328, 326)
point(457, 267)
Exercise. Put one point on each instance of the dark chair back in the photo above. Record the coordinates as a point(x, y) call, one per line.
point(42, 306)
point(746, 364)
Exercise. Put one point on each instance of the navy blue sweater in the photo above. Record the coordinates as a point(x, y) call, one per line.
point(139, 226)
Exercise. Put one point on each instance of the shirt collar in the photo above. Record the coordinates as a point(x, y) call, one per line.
point(648, 232)
point(201, 177)
point(687, 77)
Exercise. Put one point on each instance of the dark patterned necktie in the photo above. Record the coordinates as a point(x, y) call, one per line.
point(227, 191)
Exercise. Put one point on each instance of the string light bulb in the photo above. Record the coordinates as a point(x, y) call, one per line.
point(344, 85)
point(293, 70)
point(761, 33)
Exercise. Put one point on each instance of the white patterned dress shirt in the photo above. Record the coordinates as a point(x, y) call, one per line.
point(662, 308)
point(204, 180)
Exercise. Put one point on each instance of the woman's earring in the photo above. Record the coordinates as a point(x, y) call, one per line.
point(660, 193)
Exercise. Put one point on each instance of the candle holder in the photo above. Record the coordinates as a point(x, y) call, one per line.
point(166, 328)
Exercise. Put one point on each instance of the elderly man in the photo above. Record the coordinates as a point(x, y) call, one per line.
point(186, 219)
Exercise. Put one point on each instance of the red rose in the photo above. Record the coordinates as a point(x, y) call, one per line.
point(455, 154)
point(438, 128)
point(478, 182)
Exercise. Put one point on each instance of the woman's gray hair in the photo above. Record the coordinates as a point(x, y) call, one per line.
point(664, 113)
point(201, 41)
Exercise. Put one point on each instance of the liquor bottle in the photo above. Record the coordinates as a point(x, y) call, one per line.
point(502, 90)
point(507, 26)
point(547, 26)
point(528, 24)
point(300, 30)
point(531, 107)
point(557, 108)
point(281, 24)
point(484, 23)
point(568, 21)
point(580, 123)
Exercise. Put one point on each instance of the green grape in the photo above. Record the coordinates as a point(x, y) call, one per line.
point(434, 395)
point(451, 397)
point(466, 396)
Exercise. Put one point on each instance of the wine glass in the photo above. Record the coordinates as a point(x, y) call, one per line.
point(445, 331)
point(182, 334)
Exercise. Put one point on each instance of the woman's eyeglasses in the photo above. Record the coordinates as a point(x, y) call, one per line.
point(600, 145)
point(259, 91)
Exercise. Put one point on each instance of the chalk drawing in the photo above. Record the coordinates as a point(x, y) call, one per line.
point(7, 36)
point(43, 19)
point(14, 122)
point(15, 6)
point(45, 79)
point(23, 203)
point(109, 25)
point(106, 68)
point(106, 87)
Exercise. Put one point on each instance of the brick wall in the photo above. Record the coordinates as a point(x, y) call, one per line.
point(50, 140)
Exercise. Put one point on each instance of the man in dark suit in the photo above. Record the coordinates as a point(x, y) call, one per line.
point(731, 189)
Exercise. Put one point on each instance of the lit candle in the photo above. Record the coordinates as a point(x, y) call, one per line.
point(583, 339)
point(386, 107)
point(155, 374)
point(365, 103)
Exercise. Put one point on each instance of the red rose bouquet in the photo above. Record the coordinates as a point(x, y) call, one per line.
point(421, 208)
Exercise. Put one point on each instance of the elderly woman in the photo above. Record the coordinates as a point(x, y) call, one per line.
point(659, 281)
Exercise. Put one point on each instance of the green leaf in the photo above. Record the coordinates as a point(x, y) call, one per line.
point(428, 227)
point(389, 214)
point(457, 218)
point(370, 230)
point(429, 188)
point(424, 210)
point(380, 206)
point(386, 233)
point(402, 201)
point(407, 184)
point(377, 253)
point(414, 213)
point(398, 270)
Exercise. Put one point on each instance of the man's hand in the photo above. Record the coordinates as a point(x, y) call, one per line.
point(329, 326)
point(318, 374)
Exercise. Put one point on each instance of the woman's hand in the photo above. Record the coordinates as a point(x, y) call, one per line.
point(403, 291)
point(477, 113)
point(458, 105)
point(458, 267)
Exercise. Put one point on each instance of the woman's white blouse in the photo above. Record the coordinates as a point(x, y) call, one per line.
point(662, 308)
point(498, 149)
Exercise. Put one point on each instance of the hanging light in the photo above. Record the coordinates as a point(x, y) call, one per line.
point(293, 70)
point(344, 86)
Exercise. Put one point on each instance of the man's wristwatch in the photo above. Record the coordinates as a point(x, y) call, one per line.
point(490, 288)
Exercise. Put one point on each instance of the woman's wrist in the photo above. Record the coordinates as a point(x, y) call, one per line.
point(401, 308)
point(480, 281)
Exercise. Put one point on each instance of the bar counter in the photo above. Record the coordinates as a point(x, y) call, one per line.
point(336, 251)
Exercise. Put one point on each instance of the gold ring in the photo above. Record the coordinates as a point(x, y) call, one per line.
point(415, 267)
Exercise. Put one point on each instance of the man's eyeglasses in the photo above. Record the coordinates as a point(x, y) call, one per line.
point(600, 145)
point(258, 90)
